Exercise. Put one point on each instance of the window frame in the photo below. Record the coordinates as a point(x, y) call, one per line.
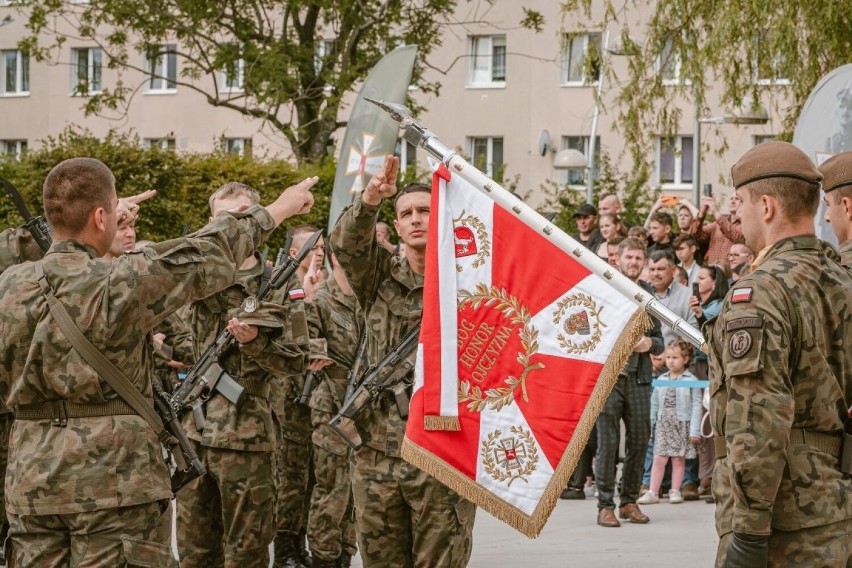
point(237, 145)
point(22, 74)
point(93, 69)
point(564, 64)
point(166, 143)
point(166, 55)
point(20, 147)
point(473, 57)
point(569, 143)
point(679, 161)
point(489, 170)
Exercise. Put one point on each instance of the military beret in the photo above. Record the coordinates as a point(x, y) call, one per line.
point(774, 159)
point(837, 171)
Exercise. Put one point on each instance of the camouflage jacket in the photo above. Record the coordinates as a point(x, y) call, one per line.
point(845, 251)
point(247, 426)
point(112, 461)
point(770, 478)
point(16, 246)
point(176, 346)
point(288, 382)
point(334, 319)
point(391, 295)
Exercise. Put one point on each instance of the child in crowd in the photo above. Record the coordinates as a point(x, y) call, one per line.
point(675, 423)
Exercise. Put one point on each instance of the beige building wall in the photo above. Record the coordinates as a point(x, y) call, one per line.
point(532, 98)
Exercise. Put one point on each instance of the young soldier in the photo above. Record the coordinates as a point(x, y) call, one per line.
point(335, 328)
point(837, 186)
point(404, 517)
point(780, 379)
point(226, 517)
point(86, 480)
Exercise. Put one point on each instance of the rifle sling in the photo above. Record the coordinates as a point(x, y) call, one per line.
point(103, 366)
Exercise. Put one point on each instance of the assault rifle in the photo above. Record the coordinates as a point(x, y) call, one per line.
point(187, 464)
point(208, 377)
point(310, 380)
point(37, 226)
point(388, 374)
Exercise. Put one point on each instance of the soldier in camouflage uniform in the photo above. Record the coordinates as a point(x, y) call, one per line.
point(404, 517)
point(226, 517)
point(335, 330)
point(86, 484)
point(837, 185)
point(294, 453)
point(781, 378)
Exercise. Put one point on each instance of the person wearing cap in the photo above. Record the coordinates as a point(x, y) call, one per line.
point(837, 186)
point(781, 378)
point(588, 234)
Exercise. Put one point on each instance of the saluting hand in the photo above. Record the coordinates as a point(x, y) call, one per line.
point(382, 184)
point(310, 282)
point(295, 200)
point(243, 332)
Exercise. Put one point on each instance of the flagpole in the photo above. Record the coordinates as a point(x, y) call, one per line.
point(416, 134)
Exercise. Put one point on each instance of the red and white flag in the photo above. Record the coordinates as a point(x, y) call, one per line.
point(520, 345)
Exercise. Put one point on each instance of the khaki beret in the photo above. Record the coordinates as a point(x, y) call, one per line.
point(774, 159)
point(837, 171)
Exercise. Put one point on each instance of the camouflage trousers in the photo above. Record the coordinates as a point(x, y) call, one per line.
point(293, 467)
point(828, 546)
point(6, 419)
point(406, 518)
point(137, 535)
point(225, 518)
point(331, 527)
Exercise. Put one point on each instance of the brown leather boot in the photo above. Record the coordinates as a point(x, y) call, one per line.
point(633, 513)
point(606, 518)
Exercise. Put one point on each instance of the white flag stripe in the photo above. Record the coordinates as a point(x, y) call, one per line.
point(523, 495)
point(448, 308)
point(617, 311)
point(418, 369)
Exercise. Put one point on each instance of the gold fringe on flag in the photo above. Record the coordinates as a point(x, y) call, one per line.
point(531, 525)
point(446, 423)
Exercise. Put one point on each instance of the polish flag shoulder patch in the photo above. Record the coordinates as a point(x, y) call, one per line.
point(297, 294)
point(741, 295)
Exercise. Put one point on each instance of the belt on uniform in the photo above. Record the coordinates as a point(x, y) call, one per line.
point(828, 443)
point(256, 388)
point(59, 411)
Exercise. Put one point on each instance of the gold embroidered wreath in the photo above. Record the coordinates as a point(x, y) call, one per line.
point(497, 398)
point(584, 301)
point(481, 232)
point(489, 463)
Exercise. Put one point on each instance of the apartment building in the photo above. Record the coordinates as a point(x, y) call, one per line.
point(511, 99)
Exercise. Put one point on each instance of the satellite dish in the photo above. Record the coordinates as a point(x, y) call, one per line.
point(543, 142)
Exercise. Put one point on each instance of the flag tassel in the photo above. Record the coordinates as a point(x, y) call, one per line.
point(448, 423)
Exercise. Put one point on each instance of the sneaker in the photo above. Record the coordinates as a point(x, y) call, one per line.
point(649, 498)
point(675, 497)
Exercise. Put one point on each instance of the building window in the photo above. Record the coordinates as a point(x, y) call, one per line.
point(86, 68)
point(161, 143)
point(761, 138)
point(15, 72)
point(669, 64)
point(487, 60)
point(581, 143)
point(233, 77)
point(238, 146)
point(577, 49)
point(487, 155)
point(161, 66)
point(324, 48)
point(13, 149)
point(674, 160)
point(407, 153)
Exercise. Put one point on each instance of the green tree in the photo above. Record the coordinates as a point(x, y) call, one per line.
point(289, 74)
point(736, 48)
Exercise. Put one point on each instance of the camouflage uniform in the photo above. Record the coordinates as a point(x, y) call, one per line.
point(845, 251)
point(226, 518)
point(335, 324)
point(177, 346)
point(293, 455)
point(404, 516)
point(780, 427)
point(16, 246)
point(99, 476)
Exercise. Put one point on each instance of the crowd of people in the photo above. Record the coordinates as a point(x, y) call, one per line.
point(98, 315)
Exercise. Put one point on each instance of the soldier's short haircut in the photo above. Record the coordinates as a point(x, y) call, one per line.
point(73, 189)
point(798, 198)
point(234, 189)
point(632, 243)
point(299, 234)
point(412, 188)
point(840, 193)
point(662, 218)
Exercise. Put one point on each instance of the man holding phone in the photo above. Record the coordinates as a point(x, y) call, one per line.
point(719, 235)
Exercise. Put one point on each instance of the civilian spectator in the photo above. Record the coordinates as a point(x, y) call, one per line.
point(721, 233)
point(638, 232)
point(684, 217)
point(609, 204)
point(681, 277)
point(686, 249)
point(588, 234)
point(660, 233)
point(612, 250)
point(610, 227)
point(661, 271)
point(738, 255)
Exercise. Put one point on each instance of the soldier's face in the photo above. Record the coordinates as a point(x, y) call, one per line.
point(124, 240)
point(412, 219)
point(838, 212)
point(317, 253)
point(751, 215)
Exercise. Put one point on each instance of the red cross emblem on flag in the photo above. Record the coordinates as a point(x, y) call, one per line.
point(364, 160)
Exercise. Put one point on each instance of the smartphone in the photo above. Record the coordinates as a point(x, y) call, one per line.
point(695, 290)
point(708, 190)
